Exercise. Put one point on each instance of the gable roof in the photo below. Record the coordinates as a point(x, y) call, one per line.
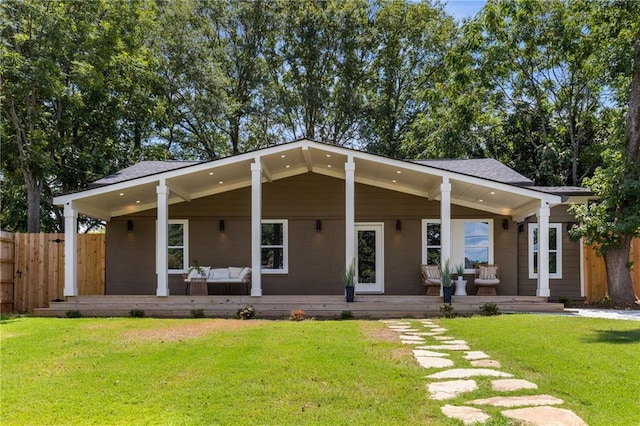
point(482, 184)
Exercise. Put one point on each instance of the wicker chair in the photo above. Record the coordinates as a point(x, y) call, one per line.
point(431, 279)
point(486, 280)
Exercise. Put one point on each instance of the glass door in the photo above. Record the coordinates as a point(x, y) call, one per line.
point(370, 258)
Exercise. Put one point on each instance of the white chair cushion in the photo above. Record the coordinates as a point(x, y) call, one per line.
point(193, 273)
point(244, 273)
point(488, 272)
point(219, 274)
point(488, 281)
point(234, 272)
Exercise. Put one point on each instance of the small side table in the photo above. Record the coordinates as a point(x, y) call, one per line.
point(461, 287)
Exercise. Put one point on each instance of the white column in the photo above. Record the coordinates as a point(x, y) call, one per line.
point(70, 250)
point(256, 228)
point(162, 241)
point(543, 251)
point(349, 211)
point(445, 223)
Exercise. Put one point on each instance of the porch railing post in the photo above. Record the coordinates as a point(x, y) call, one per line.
point(543, 251)
point(445, 223)
point(162, 257)
point(256, 228)
point(70, 250)
point(349, 211)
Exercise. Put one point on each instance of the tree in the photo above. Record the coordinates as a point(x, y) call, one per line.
point(73, 107)
point(611, 222)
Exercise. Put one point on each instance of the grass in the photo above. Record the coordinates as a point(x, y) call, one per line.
point(205, 371)
point(592, 364)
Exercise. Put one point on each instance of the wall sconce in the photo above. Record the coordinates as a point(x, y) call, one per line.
point(221, 225)
point(521, 228)
point(129, 225)
point(505, 224)
point(398, 225)
point(569, 226)
point(318, 225)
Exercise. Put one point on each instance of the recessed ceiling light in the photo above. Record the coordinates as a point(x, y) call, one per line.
point(137, 201)
point(398, 172)
point(493, 192)
point(282, 156)
point(287, 166)
point(394, 181)
point(329, 165)
point(481, 200)
point(210, 173)
point(221, 182)
point(328, 155)
point(121, 194)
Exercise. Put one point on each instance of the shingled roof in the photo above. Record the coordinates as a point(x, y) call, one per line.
point(485, 168)
point(142, 169)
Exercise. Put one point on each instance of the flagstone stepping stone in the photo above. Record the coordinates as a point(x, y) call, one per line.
point(454, 342)
point(420, 333)
point(412, 342)
point(451, 389)
point(433, 362)
point(517, 401)
point(468, 415)
point(508, 385)
point(440, 329)
point(403, 330)
point(545, 416)
point(410, 337)
point(431, 333)
point(488, 363)
point(446, 347)
point(422, 352)
point(463, 373)
point(475, 355)
point(443, 338)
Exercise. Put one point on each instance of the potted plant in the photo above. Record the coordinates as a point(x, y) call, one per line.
point(446, 275)
point(196, 267)
point(460, 272)
point(349, 280)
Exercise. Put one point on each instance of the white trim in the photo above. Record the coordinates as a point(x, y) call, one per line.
point(349, 212)
point(256, 228)
point(558, 250)
point(457, 240)
point(582, 272)
point(285, 247)
point(70, 250)
point(162, 228)
point(185, 247)
point(378, 228)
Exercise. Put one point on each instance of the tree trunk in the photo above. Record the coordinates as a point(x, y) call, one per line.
point(619, 283)
point(34, 197)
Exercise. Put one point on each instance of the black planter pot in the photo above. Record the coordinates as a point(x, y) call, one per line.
point(447, 294)
point(351, 291)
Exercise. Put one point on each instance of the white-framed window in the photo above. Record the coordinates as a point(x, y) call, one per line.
point(274, 248)
point(471, 242)
point(555, 250)
point(178, 245)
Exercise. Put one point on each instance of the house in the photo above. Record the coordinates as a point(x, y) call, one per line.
point(301, 211)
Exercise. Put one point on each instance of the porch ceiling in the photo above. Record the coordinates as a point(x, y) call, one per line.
point(282, 161)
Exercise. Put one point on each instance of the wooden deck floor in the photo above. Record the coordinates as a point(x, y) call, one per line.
point(365, 306)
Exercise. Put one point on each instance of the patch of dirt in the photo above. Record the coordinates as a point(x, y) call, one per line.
point(380, 333)
point(189, 330)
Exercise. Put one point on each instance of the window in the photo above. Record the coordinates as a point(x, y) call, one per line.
point(177, 246)
point(555, 250)
point(431, 237)
point(476, 243)
point(274, 247)
point(471, 242)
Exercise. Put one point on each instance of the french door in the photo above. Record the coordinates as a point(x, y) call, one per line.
point(370, 257)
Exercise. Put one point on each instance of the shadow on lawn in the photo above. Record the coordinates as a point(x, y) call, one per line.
point(614, 336)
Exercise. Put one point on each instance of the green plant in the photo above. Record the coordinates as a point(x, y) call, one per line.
point(346, 315)
point(489, 309)
point(297, 315)
point(197, 313)
point(565, 301)
point(196, 267)
point(349, 275)
point(447, 310)
point(446, 274)
point(460, 270)
point(137, 313)
point(73, 314)
point(246, 313)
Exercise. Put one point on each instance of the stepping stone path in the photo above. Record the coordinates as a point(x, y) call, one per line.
point(447, 384)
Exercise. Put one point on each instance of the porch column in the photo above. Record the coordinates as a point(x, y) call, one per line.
point(542, 289)
point(445, 223)
point(349, 211)
point(162, 258)
point(256, 228)
point(70, 250)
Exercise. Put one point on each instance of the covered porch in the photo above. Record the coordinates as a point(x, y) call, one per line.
point(250, 176)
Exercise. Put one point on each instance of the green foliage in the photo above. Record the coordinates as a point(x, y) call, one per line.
point(346, 315)
point(489, 309)
point(246, 313)
point(297, 315)
point(447, 310)
point(446, 274)
point(349, 275)
point(197, 313)
point(137, 313)
point(73, 314)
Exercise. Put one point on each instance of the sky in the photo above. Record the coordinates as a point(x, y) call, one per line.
point(460, 9)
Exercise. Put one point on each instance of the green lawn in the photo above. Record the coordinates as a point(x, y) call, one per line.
point(156, 371)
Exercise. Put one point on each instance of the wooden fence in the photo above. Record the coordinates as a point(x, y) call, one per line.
point(32, 269)
point(595, 273)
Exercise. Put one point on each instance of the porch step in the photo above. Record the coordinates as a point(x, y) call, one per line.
point(365, 306)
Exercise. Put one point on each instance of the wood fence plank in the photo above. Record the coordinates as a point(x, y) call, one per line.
point(7, 272)
point(596, 272)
